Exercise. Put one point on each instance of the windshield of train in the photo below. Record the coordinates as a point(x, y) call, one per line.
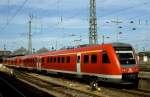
point(125, 55)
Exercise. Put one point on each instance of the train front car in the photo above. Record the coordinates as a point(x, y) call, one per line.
point(128, 61)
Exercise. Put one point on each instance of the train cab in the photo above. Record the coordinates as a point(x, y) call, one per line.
point(127, 59)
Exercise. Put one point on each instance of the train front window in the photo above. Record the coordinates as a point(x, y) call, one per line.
point(126, 57)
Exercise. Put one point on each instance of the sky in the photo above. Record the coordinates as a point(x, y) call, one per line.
point(59, 23)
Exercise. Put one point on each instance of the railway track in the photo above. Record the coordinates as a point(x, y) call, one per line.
point(129, 92)
point(5, 84)
point(138, 92)
point(66, 91)
point(145, 68)
point(54, 88)
point(12, 87)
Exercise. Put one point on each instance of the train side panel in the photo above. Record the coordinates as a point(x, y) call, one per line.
point(106, 64)
point(60, 63)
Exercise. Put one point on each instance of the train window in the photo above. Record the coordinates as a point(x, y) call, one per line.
point(78, 59)
point(47, 60)
point(128, 48)
point(55, 60)
point(33, 60)
point(42, 60)
point(126, 58)
point(68, 59)
point(50, 60)
point(105, 58)
point(86, 59)
point(62, 59)
point(36, 59)
point(29, 60)
point(94, 58)
point(58, 59)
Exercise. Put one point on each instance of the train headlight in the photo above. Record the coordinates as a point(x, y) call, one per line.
point(130, 70)
point(123, 70)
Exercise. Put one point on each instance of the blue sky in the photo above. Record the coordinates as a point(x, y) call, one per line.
point(55, 21)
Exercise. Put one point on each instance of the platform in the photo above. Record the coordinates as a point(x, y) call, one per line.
point(144, 81)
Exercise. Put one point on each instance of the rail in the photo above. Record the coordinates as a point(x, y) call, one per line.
point(54, 88)
point(145, 67)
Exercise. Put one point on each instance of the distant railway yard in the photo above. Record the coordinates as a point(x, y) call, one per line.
point(61, 86)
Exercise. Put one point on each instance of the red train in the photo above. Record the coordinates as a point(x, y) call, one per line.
point(109, 62)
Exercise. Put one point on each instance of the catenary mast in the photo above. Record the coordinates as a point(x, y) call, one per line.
point(30, 36)
point(93, 23)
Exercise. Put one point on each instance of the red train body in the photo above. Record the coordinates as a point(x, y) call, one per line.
point(115, 61)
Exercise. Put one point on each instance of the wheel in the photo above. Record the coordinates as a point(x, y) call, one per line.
point(12, 73)
point(94, 85)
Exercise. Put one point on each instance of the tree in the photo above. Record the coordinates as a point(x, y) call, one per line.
point(42, 50)
point(20, 51)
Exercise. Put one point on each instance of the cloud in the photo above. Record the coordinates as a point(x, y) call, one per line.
point(70, 16)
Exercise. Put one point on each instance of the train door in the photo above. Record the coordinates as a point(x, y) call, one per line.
point(39, 63)
point(78, 66)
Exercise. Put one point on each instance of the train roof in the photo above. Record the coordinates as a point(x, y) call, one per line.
point(118, 44)
point(78, 49)
point(89, 48)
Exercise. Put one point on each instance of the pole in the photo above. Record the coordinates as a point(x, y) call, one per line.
point(103, 39)
point(30, 35)
point(4, 50)
point(93, 23)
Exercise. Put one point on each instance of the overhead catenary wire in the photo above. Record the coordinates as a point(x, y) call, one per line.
point(62, 19)
point(13, 16)
point(74, 15)
point(140, 16)
point(125, 9)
